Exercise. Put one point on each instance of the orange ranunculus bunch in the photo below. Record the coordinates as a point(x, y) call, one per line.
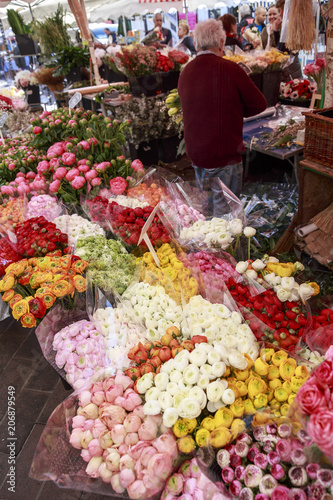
point(31, 286)
point(11, 214)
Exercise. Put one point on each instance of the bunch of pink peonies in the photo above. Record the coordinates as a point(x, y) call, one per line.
point(121, 445)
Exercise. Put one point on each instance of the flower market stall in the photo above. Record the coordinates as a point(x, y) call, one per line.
point(201, 365)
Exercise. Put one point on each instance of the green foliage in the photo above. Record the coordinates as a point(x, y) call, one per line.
point(69, 58)
point(52, 33)
point(16, 22)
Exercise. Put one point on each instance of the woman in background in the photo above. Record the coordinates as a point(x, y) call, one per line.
point(229, 23)
point(185, 40)
point(267, 34)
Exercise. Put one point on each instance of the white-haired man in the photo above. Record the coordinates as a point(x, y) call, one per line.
point(167, 40)
point(246, 18)
point(215, 95)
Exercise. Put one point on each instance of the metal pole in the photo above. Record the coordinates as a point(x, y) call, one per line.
point(31, 12)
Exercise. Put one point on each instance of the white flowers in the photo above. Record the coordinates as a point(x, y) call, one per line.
point(77, 227)
point(287, 288)
point(241, 267)
point(185, 393)
point(249, 232)
point(213, 233)
point(126, 201)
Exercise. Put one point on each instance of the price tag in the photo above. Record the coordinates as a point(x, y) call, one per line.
point(77, 97)
point(3, 119)
point(144, 236)
point(247, 70)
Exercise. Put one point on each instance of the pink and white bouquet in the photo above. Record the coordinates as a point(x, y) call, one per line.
point(44, 205)
point(130, 452)
point(315, 403)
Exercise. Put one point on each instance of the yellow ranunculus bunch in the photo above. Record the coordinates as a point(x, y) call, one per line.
point(266, 387)
point(176, 279)
point(31, 286)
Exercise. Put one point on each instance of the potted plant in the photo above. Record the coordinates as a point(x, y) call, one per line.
point(69, 62)
point(21, 30)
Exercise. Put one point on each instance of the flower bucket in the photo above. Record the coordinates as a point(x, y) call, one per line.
point(75, 75)
point(271, 86)
point(148, 85)
point(26, 45)
point(169, 80)
point(147, 152)
point(304, 103)
point(112, 76)
point(167, 148)
point(257, 79)
point(32, 94)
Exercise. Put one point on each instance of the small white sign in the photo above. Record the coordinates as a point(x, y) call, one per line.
point(144, 236)
point(77, 97)
point(3, 119)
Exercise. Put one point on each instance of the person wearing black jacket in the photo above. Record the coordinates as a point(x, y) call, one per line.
point(246, 19)
point(185, 40)
point(229, 23)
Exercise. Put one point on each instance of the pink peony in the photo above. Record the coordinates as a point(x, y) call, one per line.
point(111, 415)
point(137, 491)
point(166, 444)
point(310, 398)
point(112, 393)
point(90, 175)
point(138, 410)
point(123, 380)
point(54, 186)
point(118, 185)
point(71, 174)
point(68, 159)
point(94, 448)
point(98, 428)
point(132, 423)
point(118, 434)
point(136, 450)
point(131, 401)
point(11, 166)
point(96, 182)
point(146, 455)
point(98, 398)
point(78, 182)
point(126, 462)
point(43, 166)
point(116, 486)
point(75, 438)
point(37, 130)
point(148, 430)
point(85, 145)
point(324, 374)
point(320, 429)
point(60, 173)
point(160, 466)
point(55, 163)
point(126, 477)
point(137, 166)
point(84, 168)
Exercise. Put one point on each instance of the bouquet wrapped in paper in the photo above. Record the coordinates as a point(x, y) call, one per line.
point(153, 36)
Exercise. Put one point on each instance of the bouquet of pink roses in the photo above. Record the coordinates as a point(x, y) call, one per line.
point(315, 72)
point(315, 404)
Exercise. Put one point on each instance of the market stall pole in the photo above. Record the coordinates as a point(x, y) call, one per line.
point(79, 11)
point(329, 57)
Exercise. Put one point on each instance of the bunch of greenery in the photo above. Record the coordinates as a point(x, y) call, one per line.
point(17, 23)
point(52, 33)
point(69, 58)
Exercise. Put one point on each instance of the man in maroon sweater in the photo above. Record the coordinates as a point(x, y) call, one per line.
point(216, 94)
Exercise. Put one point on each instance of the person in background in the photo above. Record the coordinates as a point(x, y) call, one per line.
point(246, 18)
point(294, 69)
point(267, 34)
point(167, 40)
point(251, 34)
point(185, 40)
point(229, 23)
point(112, 37)
point(216, 94)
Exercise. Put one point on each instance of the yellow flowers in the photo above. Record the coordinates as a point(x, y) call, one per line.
point(184, 426)
point(220, 437)
point(287, 368)
point(281, 269)
point(261, 367)
point(202, 437)
point(172, 274)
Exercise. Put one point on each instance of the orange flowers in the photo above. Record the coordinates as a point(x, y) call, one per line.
point(43, 280)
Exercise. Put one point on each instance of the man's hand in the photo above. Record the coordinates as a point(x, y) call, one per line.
point(255, 43)
point(277, 24)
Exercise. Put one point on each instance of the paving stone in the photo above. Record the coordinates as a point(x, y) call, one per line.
point(25, 487)
point(16, 374)
point(57, 396)
point(29, 405)
point(3, 468)
point(10, 342)
point(30, 349)
point(51, 491)
point(44, 377)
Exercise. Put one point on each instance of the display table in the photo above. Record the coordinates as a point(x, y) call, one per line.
point(315, 190)
point(254, 130)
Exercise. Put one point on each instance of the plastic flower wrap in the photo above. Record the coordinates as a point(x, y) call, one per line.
point(110, 266)
point(99, 440)
point(77, 227)
point(44, 205)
